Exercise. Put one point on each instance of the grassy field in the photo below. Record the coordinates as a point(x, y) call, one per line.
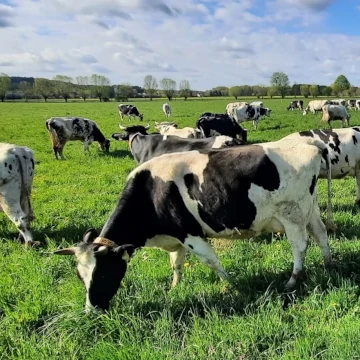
point(42, 301)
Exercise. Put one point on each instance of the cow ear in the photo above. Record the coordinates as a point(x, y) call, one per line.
point(66, 251)
point(90, 235)
point(125, 251)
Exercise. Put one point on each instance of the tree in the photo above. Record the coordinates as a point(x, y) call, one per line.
point(352, 90)
point(272, 91)
point(5, 83)
point(305, 91)
point(185, 90)
point(335, 89)
point(296, 90)
point(168, 86)
point(63, 86)
point(342, 82)
point(101, 85)
point(280, 81)
point(26, 89)
point(326, 91)
point(259, 91)
point(150, 86)
point(83, 87)
point(123, 92)
point(44, 87)
point(314, 90)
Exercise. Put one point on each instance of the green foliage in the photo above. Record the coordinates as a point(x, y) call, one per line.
point(101, 86)
point(63, 86)
point(305, 90)
point(5, 83)
point(280, 81)
point(168, 87)
point(184, 89)
point(26, 89)
point(314, 90)
point(272, 91)
point(123, 92)
point(235, 91)
point(42, 300)
point(326, 91)
point(150, 86)
point(342, 83)
point(44, 87)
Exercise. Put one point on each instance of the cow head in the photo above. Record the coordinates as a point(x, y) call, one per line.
point(130, 130)
point(306, 110)
point(171, 123)
point(267, 112)
point(141, 117)
point(101, 265)
point(105, 146)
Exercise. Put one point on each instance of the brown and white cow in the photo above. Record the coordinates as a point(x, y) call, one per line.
point(17, 167)
point(64, 129)
point(184, 198)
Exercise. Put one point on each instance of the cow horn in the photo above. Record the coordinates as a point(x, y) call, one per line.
point(122, 127)
point(66, 251)
point(147, 127)
point(102, 250)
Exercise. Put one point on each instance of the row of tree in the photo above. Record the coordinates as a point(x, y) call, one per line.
point(99, 86)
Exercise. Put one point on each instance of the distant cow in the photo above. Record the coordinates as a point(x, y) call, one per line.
point(250, 112)
point(315, 106)
point(231, 108)
point(64, 129)
point(166, 109)
point(186, 132)
point(338, 102)
point(130, 111)
point(335, 112)
point(185, 198)
point(357, 105)
point(344, 152)
point(257, 103)
point(299, 104)
point(220, 124)
point(351, 104)
point(144, 147)
point(17, 167)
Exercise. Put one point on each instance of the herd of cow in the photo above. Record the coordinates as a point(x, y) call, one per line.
point(192, 184)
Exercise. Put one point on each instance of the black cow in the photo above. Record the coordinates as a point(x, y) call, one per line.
point(211, 124)
point(145, 147)
point(299, 104)
point(130, 111)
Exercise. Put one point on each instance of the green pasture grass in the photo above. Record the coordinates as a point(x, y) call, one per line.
point(42, 301)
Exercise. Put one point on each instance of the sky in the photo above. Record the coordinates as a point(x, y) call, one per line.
point(208, 42)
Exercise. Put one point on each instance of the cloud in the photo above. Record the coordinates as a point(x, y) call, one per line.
point(316, 5)
point(7, 14)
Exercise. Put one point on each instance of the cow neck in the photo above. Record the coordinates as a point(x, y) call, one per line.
point(98, 135)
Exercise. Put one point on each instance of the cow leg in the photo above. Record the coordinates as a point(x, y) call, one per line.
point(55, 152)
point(357, 176)
point(121, 116)
point(206, 254)
point(60, 151)
point(177, 264)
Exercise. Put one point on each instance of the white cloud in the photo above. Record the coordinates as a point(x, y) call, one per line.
point(209, 42)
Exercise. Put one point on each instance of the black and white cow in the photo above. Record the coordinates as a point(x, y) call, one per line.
point(144, 147)
point(64, 129)
point(130, 111)
point(184, 198)
point(250, 112)
point(211, 124)
point(17, 167)
point(296, 104)
point(351, 104)
point(357, 104)
point(344, 151)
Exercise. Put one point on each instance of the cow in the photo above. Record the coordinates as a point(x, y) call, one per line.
point(344, 151)
point(335, 112)
point(231, 108)
point(172, 123)
point(220, 124)
point(249, 112)
point(315, 106)
point(17, 169)
point(186, 132)
point(64, 129)
point(296, 104)
point(357, 105)
point(351, 104)
point(337, 102)
point(185, 198)
point(257, 103)
point(130, 111)
point(144, 147)
point(166, 109)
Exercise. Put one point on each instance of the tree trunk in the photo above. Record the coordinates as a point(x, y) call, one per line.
point(45, 98)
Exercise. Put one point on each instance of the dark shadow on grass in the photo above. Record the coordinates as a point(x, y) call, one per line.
point(118, 153)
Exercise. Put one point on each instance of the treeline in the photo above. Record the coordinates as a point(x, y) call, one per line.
point(99, 86)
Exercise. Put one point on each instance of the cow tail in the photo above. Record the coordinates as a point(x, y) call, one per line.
point(330, 218)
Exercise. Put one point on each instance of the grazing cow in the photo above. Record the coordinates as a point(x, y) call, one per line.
point(351, 104)
point(220, 124)
point(17, 167)
point(315, 106)
point(299, 104)
point(231, 108)
point(335, 112)
point(64, 129)
point(357, 105)
point(185, 198)
point(337, 102)
point(130, 111)
point(186, 132)
point(257, 103)
point(344, 152)
point(166, 109)
point(249, 112)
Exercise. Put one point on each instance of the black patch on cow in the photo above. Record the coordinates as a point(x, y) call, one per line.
point(250, 111)
point(356, 129)
point(326, 136)
point(312, 186)
point(342, 171)
point(32, 163)
point(10, 167)
point(335, 160)
point(354, 139)
point(306, 133)
point(347, 159)
point(5, 164)
point(225, 199)
point(24, 157)
point(190, 246)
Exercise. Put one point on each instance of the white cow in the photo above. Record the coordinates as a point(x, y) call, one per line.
point(344, 151)
point(315, 106)
point(257, 103)
point(166, 109)
point(335, 112)
point(186, 132)
point(357, 104)
point(17, 166)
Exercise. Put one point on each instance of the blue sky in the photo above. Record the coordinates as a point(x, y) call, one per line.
point(208, 42)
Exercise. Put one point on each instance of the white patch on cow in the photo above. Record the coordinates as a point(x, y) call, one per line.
point(220, 141)
point(164, 242)
point(164, 137)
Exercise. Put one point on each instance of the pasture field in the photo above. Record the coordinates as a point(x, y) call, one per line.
point(42, 300)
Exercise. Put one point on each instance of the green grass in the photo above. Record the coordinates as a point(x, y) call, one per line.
point(42, 301)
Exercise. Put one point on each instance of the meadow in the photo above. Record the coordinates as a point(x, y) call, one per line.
point(42, 300)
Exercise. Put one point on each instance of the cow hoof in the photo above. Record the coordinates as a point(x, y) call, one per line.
point(32, 244)
point(331, 227)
